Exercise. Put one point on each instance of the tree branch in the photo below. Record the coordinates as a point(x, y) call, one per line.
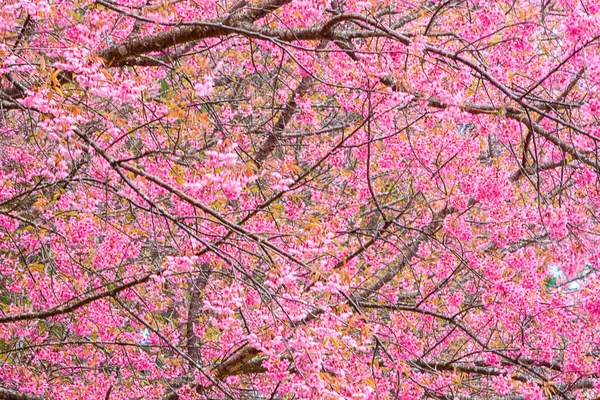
point(194, 310)
point(9, 394)
point(75, 306)
point(286, 115)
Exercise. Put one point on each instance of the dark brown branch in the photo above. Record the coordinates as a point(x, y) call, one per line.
point(9, 394)
point(135, 46)
point(75, 306)
point(235, 364)
point(194, 310)
point(559, 99)
point(116, 55)
point(286, 115)
point(387, 274)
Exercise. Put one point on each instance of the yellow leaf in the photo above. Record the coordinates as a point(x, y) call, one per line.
point(178, 174)
point(336, 344)
point(252, 166)
point(36, 267)
point(106, 74)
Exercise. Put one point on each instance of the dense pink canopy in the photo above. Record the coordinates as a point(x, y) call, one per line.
point(306, 199)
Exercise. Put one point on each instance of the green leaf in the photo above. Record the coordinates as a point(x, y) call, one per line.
point(550, 282)
point(164, 87)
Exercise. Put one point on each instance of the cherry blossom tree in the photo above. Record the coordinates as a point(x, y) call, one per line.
point(307, 199)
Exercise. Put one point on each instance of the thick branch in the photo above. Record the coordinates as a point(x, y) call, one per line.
point(135, 46)
point(387, 274)
point(286, 115)
point(194, 310)
point(75, 306)
point(8, 394)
